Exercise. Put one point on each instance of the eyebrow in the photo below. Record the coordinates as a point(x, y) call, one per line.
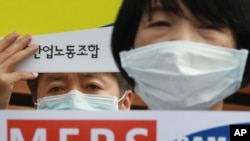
point(104, 77)
point(49, 77)
point(94, 75)
point(54, 76)
point(158, 8)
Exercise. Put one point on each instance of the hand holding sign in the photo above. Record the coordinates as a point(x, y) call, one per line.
point(12, 52)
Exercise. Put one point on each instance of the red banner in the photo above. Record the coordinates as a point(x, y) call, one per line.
point(84, 130)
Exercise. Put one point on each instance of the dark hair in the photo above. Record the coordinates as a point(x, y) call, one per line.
point(33, 84)
point(122, 83)
point(229, 13)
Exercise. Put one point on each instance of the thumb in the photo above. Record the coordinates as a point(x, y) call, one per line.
point(7, 82)
point(18, 76)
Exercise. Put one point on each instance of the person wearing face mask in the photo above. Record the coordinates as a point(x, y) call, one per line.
point(183, 54)
point(81, 91)
point(60, 91)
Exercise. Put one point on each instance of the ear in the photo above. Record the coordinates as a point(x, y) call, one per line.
point(127, 101)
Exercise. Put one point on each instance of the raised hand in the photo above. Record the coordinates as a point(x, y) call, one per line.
point(12, 52)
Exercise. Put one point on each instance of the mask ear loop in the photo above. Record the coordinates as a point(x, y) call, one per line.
point(123, 96)
point(37, 105)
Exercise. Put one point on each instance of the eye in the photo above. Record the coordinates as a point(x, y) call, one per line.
point(93, 87)
point(56, 89)
point(210, 26)
point(159, 24)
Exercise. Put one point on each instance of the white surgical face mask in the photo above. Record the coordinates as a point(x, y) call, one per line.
point(76, 100)
point(182, 75)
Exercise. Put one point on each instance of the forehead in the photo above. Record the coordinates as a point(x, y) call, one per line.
point(171, 6)
point(214, 11)
point(174, 7)
point(62, 76)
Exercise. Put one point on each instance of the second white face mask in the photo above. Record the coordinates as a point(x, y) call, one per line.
point(184, 75)
point(76, 100)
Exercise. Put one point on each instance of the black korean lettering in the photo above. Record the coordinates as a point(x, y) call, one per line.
point(82, 50)
point(94, 49)
point(46, 49)
point(70, 51)
point(58, 51)
point(36, 55)
point(49, 50)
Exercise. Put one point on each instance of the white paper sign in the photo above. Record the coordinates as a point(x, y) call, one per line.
point(74, 51)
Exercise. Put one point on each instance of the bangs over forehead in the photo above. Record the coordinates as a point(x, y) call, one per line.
point(218, 12)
